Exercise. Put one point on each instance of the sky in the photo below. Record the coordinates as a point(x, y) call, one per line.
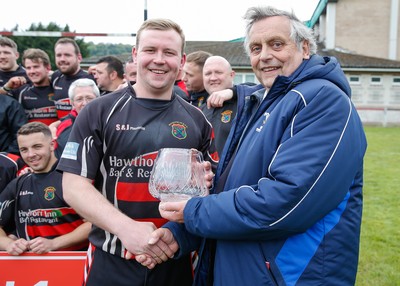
point(201, 20)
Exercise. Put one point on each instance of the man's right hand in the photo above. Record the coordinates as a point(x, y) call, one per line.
point(217, 98)
point(15, 82)
point(17, 247)
point(163, 239)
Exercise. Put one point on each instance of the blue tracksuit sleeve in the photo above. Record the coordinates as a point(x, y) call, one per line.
point(187, 242)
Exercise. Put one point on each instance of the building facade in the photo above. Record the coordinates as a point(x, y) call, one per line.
point(366, 27)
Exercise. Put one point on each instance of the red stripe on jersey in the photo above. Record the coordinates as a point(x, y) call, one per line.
point(159, 222)
point(64, 125)
point(13, 157)
point(134, 192)
point(52, 230)
point(46, 121)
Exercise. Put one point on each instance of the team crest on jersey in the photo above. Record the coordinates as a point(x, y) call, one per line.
point(226, 116)
point(49, 193)
point(178, 130)
point(50, 96)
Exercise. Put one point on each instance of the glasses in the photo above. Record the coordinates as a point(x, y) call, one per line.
point(82, 99)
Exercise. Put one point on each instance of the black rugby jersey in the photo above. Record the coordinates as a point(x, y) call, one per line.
point(10, 165)
point(115, 140)
point(34, 202)
point(6, 75)
point(221, 119)
point(38, 103)
point(61, 83)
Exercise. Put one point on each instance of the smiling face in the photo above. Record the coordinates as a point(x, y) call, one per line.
point(67, 61)
point(8, 58)
point(83, 95)
point(272, 51)
point(158, 58)
point(37, 72)
point(217, 74)
point(37, 151)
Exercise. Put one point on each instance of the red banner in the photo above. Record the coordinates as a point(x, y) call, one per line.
point(58, 268)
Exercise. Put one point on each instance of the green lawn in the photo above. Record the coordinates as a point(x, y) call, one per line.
point(380, 232)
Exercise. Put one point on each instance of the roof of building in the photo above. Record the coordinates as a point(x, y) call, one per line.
point(351, 60)
point(234, 52)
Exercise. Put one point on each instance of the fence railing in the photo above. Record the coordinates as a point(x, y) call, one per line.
point(380, 115)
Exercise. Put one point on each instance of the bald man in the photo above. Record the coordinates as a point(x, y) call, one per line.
point(217, 76)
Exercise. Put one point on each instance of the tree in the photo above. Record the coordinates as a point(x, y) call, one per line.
point(46, 43)
point(103, 49)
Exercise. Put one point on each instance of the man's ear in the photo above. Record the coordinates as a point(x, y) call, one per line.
point(53, 144)
point(134, 54)
point(183, 61)
point(305, 46)
point(113, 75)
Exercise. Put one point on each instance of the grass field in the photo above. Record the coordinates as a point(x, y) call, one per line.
point(380, 232)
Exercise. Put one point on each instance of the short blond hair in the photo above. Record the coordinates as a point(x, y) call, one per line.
point(161, 25)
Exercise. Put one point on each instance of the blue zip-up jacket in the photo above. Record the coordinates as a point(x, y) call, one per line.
point(290, 209)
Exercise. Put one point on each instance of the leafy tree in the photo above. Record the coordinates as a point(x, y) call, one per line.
point(103, 49)
point(46, 43)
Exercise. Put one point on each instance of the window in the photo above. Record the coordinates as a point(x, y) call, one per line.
point(245, 77)
point(354, 79)
point(396, 81)
point(376, 80)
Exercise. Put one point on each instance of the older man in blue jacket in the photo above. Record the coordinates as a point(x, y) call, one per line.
point(287, 202)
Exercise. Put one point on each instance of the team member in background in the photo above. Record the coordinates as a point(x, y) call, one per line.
point(114, 142)
point(33, 203)
point(68, 58)
point(8, 63)
point(36, 97)
point(217, 76)
point(109, 74)
point(130, 70)
point(81, 92)
point(193, 77)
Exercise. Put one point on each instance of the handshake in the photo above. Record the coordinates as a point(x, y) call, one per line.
point(151, 246)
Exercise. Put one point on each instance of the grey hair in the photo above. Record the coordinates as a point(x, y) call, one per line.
point(82, 82)
point(299, 31)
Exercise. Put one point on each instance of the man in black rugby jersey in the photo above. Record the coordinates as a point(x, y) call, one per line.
point(8, 63)
point(68, 59)
point(35, 96)
point(32, 205)
point(113, 143)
